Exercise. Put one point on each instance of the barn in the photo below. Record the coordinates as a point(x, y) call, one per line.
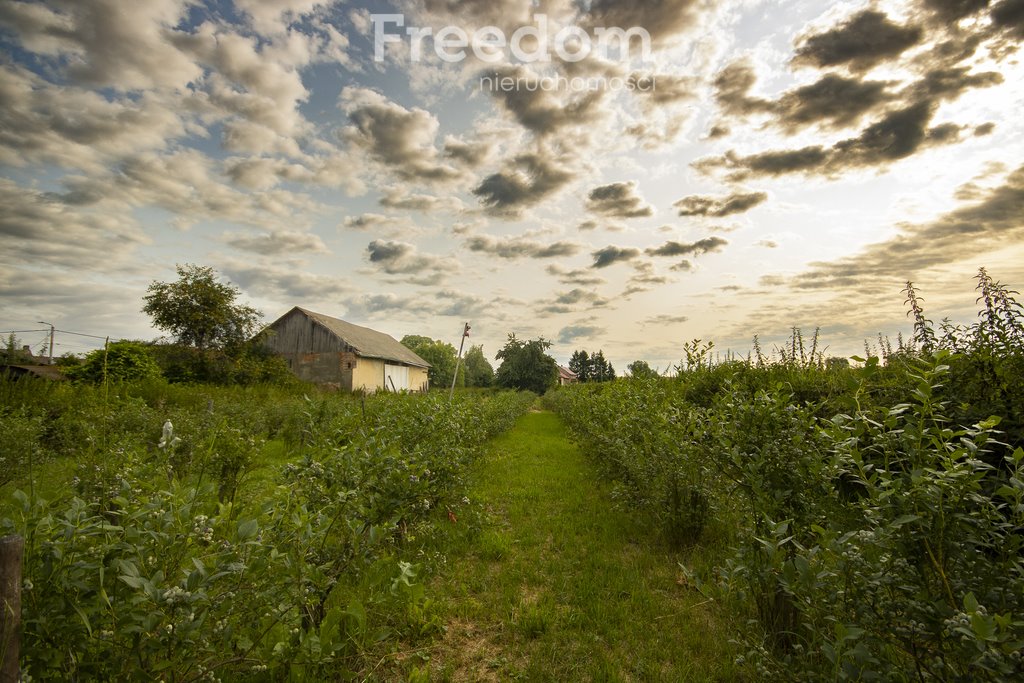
point(332, 352)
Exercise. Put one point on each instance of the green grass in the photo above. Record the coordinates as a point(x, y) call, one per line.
point(558, 585)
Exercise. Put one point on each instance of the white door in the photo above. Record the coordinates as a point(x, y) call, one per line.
point(396, 377)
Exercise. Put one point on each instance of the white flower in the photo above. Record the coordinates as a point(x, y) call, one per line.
point(168, 438)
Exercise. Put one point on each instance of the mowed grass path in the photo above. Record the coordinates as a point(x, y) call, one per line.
point(558, 585)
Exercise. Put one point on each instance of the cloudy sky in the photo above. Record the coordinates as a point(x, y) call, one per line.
point(762, 165)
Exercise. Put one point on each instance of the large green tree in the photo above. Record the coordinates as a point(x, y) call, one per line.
point(641, 370)
point(579, 363)
point(479, 372)
point(200, 311)
point(525, 365)
point(441, 356)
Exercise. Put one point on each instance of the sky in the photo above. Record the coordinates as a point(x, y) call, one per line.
point(731, 169)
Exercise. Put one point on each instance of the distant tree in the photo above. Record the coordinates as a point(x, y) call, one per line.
point(200, 311)
point(579, 363)
point(525, 365)
point(600, 369)
point(641, 370)
point(13, 351)
point(439, 354)
point(479, 372)
point(121, 361)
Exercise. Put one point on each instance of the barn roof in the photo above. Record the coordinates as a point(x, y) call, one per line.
point(366, 342)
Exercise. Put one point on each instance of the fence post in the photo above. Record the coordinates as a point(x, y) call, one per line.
point(11, 550)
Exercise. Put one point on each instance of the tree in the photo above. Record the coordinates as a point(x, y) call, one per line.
point(121, 361)
point(479, 372)
point(441, 356)
point(641, 370)
point(579, 363)
point(525, 365)
point(200, 311)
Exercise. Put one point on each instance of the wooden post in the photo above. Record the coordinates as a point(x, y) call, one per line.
point(12, 548)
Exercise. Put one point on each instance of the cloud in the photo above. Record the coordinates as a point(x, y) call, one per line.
point(468, 154)
point(398, 198)
point(612, 254)
point(767, 244)
point(43, 230)
point(718, 207)
point(665, 319)
point(579, 277)
point(574, 300)
point(277, 242)
point(863, 41)
point(538, 108)
point(527, 179)
point(899, 134)
point(520, 247)
point(663, 19)
point(618, 200)
point(570, 333)
point(401, 139)
point(991, 223)
point(703, 246)
point(402, 258)
point(286, 282)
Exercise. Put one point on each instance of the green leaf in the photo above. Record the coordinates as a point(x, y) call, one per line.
point(247, 529)
point(970, 603)
point(905, 519)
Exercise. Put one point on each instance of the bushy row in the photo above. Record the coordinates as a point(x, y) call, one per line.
point(181, 554)
point(882, 544)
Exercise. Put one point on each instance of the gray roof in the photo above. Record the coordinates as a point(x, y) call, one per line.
point(366, 342)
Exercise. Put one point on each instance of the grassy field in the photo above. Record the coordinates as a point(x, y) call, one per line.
point(559, 585)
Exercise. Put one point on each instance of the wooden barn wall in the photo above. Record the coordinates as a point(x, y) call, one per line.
point(313, 353)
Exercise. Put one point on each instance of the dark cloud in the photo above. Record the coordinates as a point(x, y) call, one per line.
point(618, 200)
point(702, 246)
point(833, 101)
point(528, 179)
point(718, 207)
point(663, 19)
point(953, 10)
point(579, 277)
point(897, 135)
point(401, 139)
point(570, 333)
point(732, 90)
point(402, 258)
point(574, 300)
point(665, 319)
point(661, 89)
point(538, 108)
point(1009, 14)
point(863, 41)
point(612, 254)
point(470, 155)
point(520, 247)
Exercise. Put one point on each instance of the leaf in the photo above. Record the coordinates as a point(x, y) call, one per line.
point(905, 519)
point(970, 603)
point(247, 529)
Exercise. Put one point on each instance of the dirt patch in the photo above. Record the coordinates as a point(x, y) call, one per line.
point(467, 653)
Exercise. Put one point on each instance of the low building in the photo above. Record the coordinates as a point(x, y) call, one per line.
point(566, 376)
point(332, 352)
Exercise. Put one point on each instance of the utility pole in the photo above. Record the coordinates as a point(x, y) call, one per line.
point(465, 333)
point(50, 361)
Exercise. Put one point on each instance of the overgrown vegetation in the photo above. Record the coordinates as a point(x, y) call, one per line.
point(875, 513)
point(216, 533)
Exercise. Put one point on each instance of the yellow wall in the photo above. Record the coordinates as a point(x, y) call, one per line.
point(417, 378)
point(368, 374)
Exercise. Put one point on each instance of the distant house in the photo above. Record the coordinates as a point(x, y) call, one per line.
point(329, 351)
point(566, 376)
